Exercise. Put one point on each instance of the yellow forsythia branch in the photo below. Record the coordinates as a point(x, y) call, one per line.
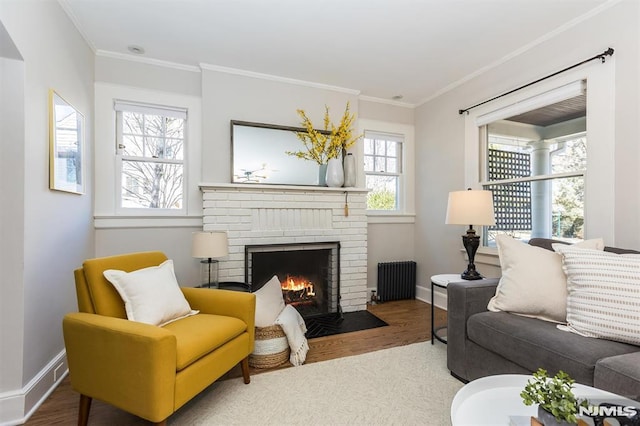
point(320, 147)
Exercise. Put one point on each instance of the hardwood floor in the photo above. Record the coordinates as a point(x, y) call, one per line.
point(409, 322)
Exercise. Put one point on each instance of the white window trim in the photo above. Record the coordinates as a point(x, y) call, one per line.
point(406, 207)
point(599, 178)
point(128, 106)
point(399, 140)
point(106, 193)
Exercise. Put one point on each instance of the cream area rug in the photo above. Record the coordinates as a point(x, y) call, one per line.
point(405, 385)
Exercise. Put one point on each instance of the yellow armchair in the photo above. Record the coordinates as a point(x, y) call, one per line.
point(143, 369)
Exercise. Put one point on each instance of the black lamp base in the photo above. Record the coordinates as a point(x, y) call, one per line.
point(210, 273)
point(471, 243)
point(471, 275)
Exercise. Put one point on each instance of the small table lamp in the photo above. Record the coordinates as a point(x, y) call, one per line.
point(207, 245)
point(470, 208)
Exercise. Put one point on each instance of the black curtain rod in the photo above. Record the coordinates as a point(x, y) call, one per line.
point(602, 57)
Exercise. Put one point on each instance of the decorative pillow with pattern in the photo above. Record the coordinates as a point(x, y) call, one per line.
point(604, 294)
point(532, 282)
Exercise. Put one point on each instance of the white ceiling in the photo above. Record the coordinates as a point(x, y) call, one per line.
point(381, 48)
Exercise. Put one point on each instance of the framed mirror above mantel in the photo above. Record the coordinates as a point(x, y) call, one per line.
point(259, 155)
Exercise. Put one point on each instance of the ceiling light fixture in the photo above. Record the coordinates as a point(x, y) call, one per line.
point(136, 49)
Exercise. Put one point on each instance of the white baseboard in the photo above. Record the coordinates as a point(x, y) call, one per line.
point(439, 298)
point(424, 294)
point(18, 405)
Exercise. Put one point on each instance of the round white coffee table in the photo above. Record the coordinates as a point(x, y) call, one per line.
point(495, 401)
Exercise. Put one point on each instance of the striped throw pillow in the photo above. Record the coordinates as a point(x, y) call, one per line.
point(604, 293)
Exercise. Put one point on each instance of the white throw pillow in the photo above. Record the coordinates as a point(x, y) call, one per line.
point(604, 294)
point(269, 303)
point(151, 295)
point(533, 282)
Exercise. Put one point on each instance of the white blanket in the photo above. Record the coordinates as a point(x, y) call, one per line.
point(294, 327)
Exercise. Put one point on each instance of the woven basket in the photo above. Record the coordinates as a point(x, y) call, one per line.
point(271, 347)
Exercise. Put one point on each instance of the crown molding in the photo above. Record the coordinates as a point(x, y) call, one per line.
point(386, 101)
point(566, 26)
point(74, 20)
point(148, 61)
point(276, 78)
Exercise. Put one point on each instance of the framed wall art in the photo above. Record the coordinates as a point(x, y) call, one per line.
point(66, 146)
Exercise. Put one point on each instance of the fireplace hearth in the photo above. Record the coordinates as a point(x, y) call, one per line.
point(309, 274)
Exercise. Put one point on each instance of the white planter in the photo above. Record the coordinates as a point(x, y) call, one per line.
point(335, 173)
point(349, 170)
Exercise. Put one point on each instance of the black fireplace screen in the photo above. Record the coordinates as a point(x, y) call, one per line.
point(308, 273)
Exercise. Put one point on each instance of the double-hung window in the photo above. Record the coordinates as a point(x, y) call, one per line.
point(535, 165)
point(150, 151)
point(383, 170)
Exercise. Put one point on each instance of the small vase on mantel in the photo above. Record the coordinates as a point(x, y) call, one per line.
point(322, 175)
point(335, 173)
point(349, 170)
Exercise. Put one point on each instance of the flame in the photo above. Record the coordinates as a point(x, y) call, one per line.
point(298, 284)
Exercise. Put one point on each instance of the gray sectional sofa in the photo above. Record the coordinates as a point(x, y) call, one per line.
point(483, 343)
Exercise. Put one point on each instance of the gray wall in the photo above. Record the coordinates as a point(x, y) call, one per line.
point(56, 232)
point(440, 131)
point(174, 242)
point(230, 96)
point(11, 218)
point(186, 81)
point(386, 112)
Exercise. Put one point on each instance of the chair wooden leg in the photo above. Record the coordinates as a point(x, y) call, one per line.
point(83, 411)
point(245, 370)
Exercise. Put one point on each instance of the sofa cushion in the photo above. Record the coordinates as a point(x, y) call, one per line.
point(198, 335)
point(619, 374)
point(604, 294)
point(533, 343)
point(532, 281)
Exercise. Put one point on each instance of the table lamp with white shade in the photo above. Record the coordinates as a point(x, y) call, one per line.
point(471, 207)
point(208, 246)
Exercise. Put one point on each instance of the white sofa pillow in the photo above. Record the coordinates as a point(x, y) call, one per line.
point(533, 282)
point(151, 295)
point(604, 294)
point(269, 303)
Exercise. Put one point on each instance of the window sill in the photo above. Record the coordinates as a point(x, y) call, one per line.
point(114, 222)
point(487, 256)
point(382, 217)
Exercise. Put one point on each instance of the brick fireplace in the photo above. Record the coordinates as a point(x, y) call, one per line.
point(259, 215)
point(308, 274)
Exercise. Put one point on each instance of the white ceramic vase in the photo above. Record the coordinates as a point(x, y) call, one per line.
point(335, 173)
point(349, 170)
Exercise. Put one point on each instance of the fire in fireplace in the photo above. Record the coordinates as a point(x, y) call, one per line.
point(308, 273)
point(297, 290)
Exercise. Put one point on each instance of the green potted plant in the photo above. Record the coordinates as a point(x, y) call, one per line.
point(557, 405)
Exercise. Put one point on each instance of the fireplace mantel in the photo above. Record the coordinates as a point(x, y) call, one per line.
point(257, 214)
point(277, 188)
